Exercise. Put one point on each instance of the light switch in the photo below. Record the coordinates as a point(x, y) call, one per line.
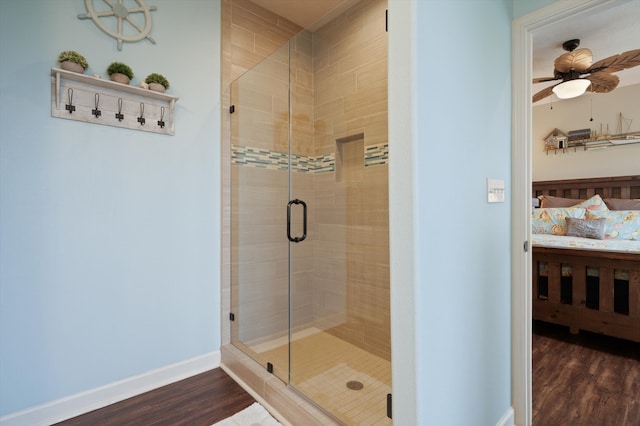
point(495, 190)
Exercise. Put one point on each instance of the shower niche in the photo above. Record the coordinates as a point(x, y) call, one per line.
point(309, 257)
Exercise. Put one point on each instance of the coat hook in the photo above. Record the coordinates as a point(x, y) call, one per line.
point(119, 114)
point(161, 121)
point(141, 119)
point(96, 111)
point(70, 107)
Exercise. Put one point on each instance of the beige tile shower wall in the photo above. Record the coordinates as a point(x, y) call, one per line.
point(351, 270)
point(255, 34)
point(259, 253)
point(350, 76)
point(249, 34)
point(302, 102)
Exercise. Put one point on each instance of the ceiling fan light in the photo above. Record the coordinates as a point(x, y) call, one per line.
point(572, 88)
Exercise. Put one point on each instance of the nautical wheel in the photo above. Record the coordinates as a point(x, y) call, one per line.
point(133, 31)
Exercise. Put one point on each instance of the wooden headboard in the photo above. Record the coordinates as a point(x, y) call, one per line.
point(608, 187)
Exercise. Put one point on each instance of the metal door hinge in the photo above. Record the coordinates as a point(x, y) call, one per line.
point(232, 109)
point(526, 246)
point(389, 405)
point(232, 316)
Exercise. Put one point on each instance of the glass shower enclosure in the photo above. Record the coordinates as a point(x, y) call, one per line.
point(309, 220)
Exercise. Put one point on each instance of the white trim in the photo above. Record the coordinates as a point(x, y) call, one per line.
point(402, 214)
point(74, 405)
point(507, 418)
point(522, 74)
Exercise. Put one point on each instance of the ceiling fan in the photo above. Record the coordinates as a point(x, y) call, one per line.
point(571, 66)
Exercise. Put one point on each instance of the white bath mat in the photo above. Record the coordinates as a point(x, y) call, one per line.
point(253, 415)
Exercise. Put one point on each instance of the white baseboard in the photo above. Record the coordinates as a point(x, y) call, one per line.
point(74, 405)
point(507, 419)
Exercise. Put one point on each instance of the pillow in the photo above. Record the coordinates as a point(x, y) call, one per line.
point(619, 224)
point(552, 221)
point(551, 201)
point(622, 203)
point(593, 204)
point(585, 228)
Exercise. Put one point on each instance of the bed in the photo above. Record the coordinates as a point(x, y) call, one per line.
point(592, 283)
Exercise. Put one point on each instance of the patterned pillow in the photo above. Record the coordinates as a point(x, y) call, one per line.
point(585, 228)
point(552, 220)
point(619, 224)
point(593, 204)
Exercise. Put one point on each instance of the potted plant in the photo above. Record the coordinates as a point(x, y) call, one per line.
point(120, 72)
point(73, 61)
point(157, 82)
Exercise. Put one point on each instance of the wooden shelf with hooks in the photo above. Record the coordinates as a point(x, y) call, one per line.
point(94, 100)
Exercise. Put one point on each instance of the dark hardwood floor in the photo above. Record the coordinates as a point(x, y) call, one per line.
point(199, 400)
point(585, 379)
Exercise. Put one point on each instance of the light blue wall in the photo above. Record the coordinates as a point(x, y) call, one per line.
point(463, 115)
point(109, 238)
point(522, 7)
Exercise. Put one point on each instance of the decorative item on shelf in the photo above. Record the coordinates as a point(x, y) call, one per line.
point(556, 139)
point(157, 82)
point(120, 72)
point(73, 61)
point(577, 137)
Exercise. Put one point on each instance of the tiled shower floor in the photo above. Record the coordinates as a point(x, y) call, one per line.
point(321, 367)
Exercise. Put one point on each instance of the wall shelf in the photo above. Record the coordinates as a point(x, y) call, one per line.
point(594, 144)
point(95, 100)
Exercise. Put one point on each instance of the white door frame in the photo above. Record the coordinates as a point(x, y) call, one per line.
point(521, 145)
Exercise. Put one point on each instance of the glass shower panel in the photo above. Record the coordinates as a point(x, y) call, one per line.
point(259, 195)
point(340, 349)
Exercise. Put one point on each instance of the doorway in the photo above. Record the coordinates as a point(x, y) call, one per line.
point(522, 54)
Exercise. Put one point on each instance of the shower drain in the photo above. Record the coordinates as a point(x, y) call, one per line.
point(354, 385)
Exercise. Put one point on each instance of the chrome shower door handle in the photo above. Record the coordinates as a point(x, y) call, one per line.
point(304, 221)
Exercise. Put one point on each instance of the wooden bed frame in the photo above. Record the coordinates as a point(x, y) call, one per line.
point(573, 303)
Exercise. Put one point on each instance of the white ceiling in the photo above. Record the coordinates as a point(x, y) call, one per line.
point(609, 30)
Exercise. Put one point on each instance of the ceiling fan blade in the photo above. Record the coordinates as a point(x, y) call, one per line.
point(543, 79)
point(619, 62)
point(602, 82)
point(543, 94)
point(576, 60)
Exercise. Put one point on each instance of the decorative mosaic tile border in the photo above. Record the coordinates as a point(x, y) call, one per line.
point(374, 155)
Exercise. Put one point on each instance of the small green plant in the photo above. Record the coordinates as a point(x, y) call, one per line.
point(119, 67)
point(71, 56)
point(157, 78)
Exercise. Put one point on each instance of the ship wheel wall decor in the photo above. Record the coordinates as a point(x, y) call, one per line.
point(124, 19)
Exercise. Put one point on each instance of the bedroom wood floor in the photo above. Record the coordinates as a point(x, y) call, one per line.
point(585, 380)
